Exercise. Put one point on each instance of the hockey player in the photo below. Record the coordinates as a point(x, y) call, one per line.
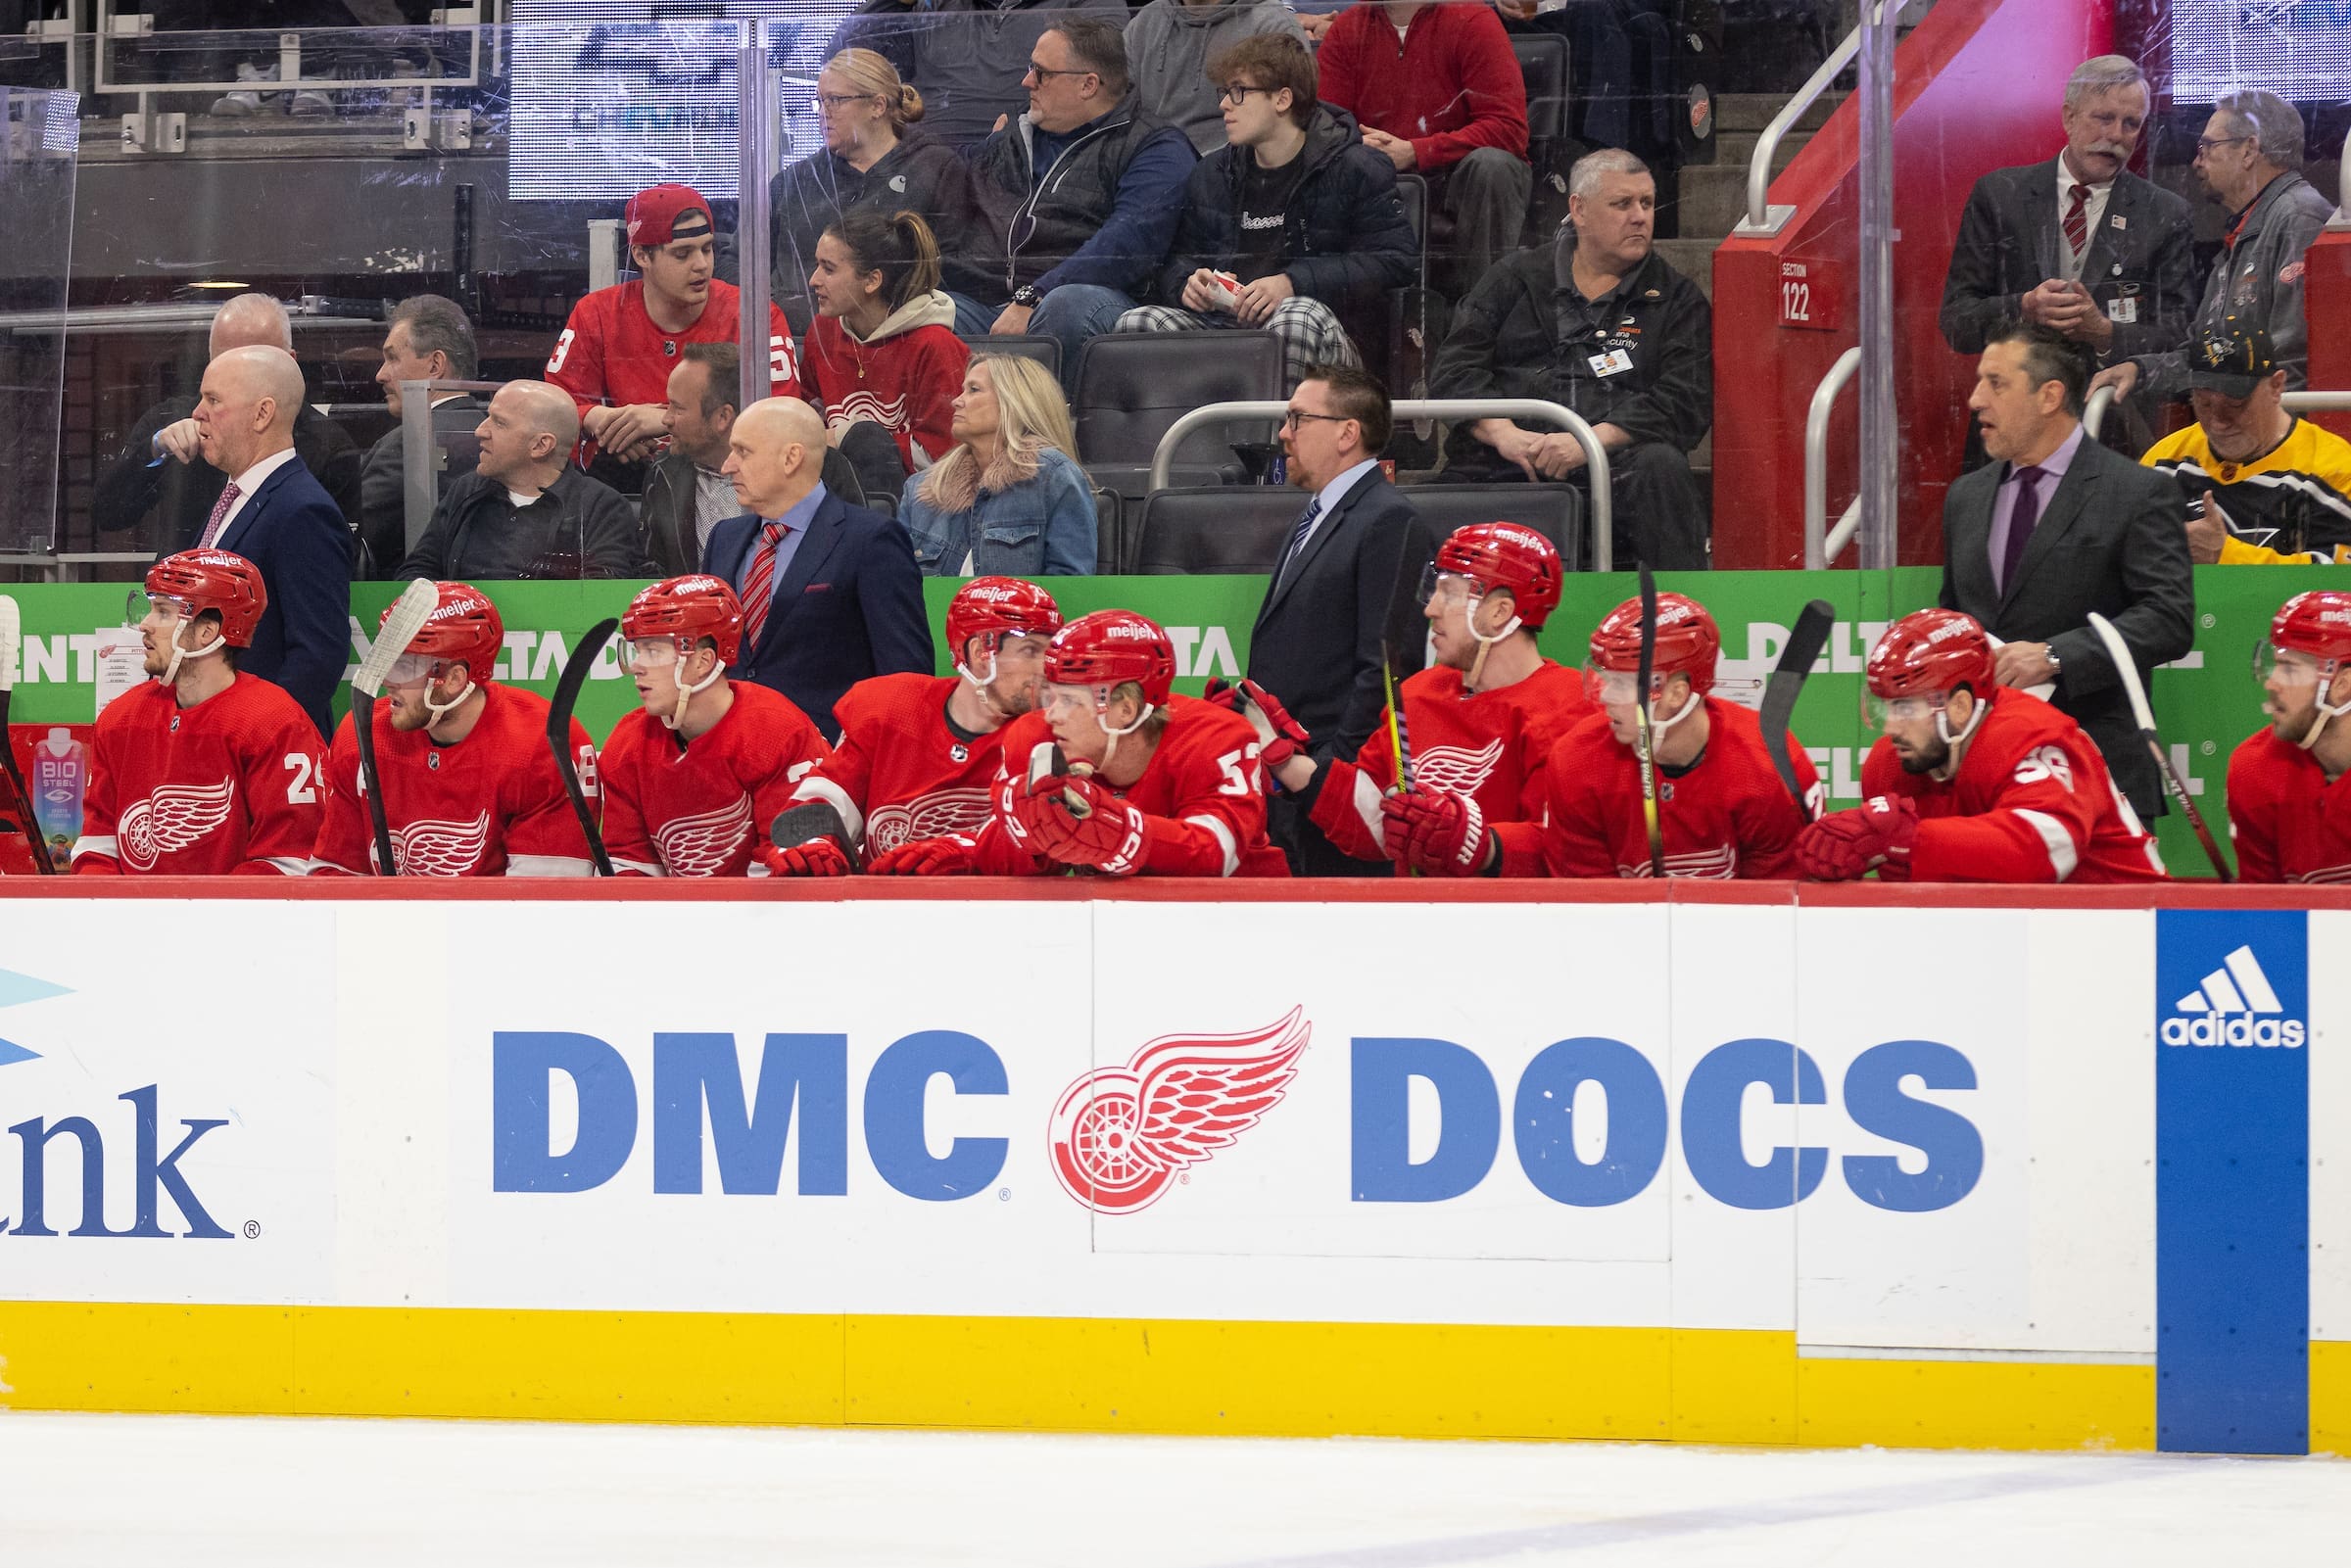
point(469, 787)
point(1722, 809)
point(919, 753)
point(205, 770)
point(1972, 781)
point(1480, 722)
point(691, 779)
point(2288, 810)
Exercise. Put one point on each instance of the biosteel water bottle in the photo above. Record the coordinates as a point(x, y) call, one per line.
point(60, 770)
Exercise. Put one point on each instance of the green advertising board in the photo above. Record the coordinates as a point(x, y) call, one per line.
point(2206, 702)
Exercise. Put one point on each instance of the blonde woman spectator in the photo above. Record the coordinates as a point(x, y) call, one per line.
point(1009, 498)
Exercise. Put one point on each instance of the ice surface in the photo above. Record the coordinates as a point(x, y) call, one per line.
point(254, 1492)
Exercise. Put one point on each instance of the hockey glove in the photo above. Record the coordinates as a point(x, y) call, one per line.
point(1071, 818)
point(1436, 833)
point(947, 855)
point(818, 857)
point(1844, 845)
point(1279, 736)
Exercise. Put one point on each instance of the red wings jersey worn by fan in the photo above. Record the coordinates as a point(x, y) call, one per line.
point(1493, 746)
point(492, 805)
point(2031, 803)
point(1726, 816)
point(1204, 781)
point(703, 810)
point(229, 787)
point(612, 351)
point(899, 772)
point(2290, 825)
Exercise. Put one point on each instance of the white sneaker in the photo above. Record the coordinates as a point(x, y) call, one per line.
point(312, 104)
point(240, 105)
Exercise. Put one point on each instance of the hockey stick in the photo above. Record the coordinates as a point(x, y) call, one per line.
point(2120, 652)
point(1400, 749)
point(410, 613)
point(1648, 759)
point(1806, 640)
point(11, 635)
point(806, 821)
point(558, 735)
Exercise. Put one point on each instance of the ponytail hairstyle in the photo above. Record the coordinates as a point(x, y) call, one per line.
point(900, 247)
point(872, 76)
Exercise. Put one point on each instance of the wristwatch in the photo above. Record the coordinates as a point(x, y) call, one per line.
point(1025, 294)
point(2056, 665)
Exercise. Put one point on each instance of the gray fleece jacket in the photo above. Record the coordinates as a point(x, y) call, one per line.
point(1169, 45)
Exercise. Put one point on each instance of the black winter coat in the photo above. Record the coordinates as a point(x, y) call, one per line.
point(920, 175)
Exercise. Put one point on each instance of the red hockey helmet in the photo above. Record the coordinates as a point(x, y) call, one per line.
point(687, 609)
point(198, 580)
point(1110, 647)
point(2316, 625)
point(1931, 652)
point(1688, 642)
point(999, 608)
point(1503, 556)
point(464, 629)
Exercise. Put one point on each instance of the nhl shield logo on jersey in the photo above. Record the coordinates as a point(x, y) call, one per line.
point(1120, 1134)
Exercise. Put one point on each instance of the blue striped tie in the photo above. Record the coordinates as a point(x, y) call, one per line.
point(1290, 557)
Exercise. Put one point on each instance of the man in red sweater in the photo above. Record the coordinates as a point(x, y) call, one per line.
point(1437, 89)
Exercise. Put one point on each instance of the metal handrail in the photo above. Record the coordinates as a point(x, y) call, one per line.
point(1761, 216)
point(1596, 456)
point(2095, 411)
point(2101, 403)
point(1821, 547)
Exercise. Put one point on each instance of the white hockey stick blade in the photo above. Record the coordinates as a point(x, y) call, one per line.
point(2125, 671)
point(12, 628)
point(416, 603)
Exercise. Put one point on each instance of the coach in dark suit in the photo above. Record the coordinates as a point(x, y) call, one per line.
point(1347, 576)
point(274, 513)
point(830, 595)
point(2059, 527)
point(2078, 244)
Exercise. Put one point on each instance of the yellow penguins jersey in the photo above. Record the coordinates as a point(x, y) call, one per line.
point(2290, 507)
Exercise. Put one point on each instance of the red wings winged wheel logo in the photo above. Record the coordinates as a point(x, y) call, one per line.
point(1120, 1134)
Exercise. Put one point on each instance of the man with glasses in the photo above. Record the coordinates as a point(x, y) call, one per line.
point(965, 56)
point(2250, 159)
point(205, 770)
point(469, 785)
point(1971, 780)
point(1082, 192)
point(2289, 813)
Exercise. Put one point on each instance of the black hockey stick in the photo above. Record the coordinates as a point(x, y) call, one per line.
point(1642, 750)
point(2119, 652)
point(410, 613)
point(807, 821)
point(11, 635)
point(558, 735)
point(1798, 655)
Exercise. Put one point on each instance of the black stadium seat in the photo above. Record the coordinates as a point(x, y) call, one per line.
point(1550, 145)
point(1132, 386)
point(1413, 191)
point(1556, 511)
point(1232, 527)
point(1029, 346)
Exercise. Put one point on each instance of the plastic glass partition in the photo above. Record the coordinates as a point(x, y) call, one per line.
point(37, 161)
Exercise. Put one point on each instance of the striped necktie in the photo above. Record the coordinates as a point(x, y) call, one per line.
point(2077, 219)
point(759, 585)
point(1290, 557)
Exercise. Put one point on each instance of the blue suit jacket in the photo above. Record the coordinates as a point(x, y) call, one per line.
point(293, 531)
point(849, 607)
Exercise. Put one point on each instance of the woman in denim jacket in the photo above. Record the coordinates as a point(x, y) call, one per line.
point(1007, 498)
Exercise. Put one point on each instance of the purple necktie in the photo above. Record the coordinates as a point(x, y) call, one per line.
point(2020, 520)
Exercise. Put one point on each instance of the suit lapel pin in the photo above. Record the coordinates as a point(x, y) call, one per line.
point(2119, 221)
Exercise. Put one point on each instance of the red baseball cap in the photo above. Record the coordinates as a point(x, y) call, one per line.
point(664, 212)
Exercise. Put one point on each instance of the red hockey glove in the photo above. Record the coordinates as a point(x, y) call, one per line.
point(947, 855)
point(1437, 833)
point(818, 857)
point(1279, 736)
point(1071, 818)
point(1844, 845)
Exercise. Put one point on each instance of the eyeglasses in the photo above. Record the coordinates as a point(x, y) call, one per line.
point(1290, 420)
point(2205, 144)
point(1234, 93)
point(822, 102)
point(1040, 72)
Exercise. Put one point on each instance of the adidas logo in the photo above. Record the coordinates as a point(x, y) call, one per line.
point(2227, 1008)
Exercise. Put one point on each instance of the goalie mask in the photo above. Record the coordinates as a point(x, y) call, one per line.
point(195, 581)
point(665, 622)
point(2316, 627)
point(1687, 645)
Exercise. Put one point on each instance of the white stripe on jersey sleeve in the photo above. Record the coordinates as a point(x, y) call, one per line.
point(2063, 856)
point(86, 844)
point(548, 866)
point(1224, 837)
point(289, 865)
point(646, 867)
point(1366, 807)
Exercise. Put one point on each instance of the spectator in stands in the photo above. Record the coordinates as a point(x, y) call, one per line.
point(525, 511)
point(429, 339)
point(830, 593)
point(2263, 486)
point(621, 343)
point(1297, 214)
point(1010, 499)
point(1437, 89)
point(160, 472)
point(882, 358)
point(874, 156)
point(1596, 320)
point(967, 55)
point(2250, 156)
point(1082, 192)
point(688, 493)
point(276, 515)
point(2085, 246)
point(2058, 527)
point(1169, 45)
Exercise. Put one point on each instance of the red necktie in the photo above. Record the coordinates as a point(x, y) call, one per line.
point(2077, 219)
point(759, 585)
point(220, 510)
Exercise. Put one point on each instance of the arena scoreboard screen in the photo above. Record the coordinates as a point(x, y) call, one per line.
point(2298, 49)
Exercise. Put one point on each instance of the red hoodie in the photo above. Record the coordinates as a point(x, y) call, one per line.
point(1449, 86)
point(904, 378)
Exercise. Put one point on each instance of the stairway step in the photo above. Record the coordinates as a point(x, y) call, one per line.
point(1737, 146)
point(1692, 258)
point(1713, 199)
point(1754, 111)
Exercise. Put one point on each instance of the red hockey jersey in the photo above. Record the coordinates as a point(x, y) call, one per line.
point(1493, 746)
point(1726, 816)
point(703, 809)
point(490, 805)
point(2290, 825)
point(904, 379)
point(1203, 781)
point(611, 350)
point(2031, 803)
point(899, 772)
point(229, 787)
